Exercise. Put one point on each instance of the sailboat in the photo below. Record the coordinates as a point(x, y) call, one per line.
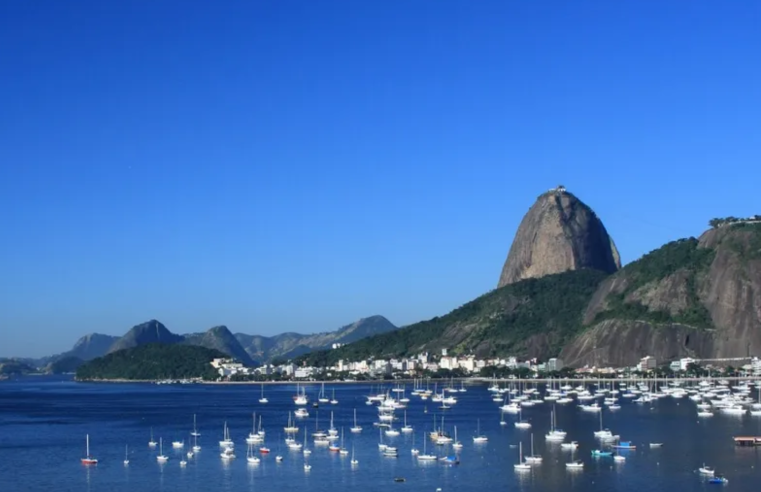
point(343, 451)
point(226, 442)
point(533, 458)
point(263, 399)
point(307, 466)
point(291, 428)
point(425, 456)
point(126, 455)
point(574, 464)
point(253, 436)
point(407, 428)
point(88, 459)
point(479, 437)
point(354, 461)
point(521, 466)
point(356, 429)
point(191, 453)
point(554, 434)
point(604, 434)
point(306, 451)
point(183, 463)
point(333, 400)
point(250, 458)
point(414, 450)
point(322, 398)
point(152, 443)
point(332, 431)
point(195, 432)
point(522, 424)
point(196, 447)
point(161, 458)
point(456, 444)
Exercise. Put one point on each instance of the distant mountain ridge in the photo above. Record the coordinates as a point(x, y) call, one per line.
point(288, 345)
point(249, 349)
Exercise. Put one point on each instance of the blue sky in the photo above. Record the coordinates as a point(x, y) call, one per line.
point(296, 165)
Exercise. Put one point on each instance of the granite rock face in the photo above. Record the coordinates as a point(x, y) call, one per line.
point(559, 233)
point(697, 298)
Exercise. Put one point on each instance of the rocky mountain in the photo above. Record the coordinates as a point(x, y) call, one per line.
point(248, 349)
point(559, 233)
point(288, 345)
point(91, 346)
point(221, 339)
point(530, 318)
point(149, 332)
point(694, 297)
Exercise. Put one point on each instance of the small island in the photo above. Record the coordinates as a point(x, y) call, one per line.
point(152, 362)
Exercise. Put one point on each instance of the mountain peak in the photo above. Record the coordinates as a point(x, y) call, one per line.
point(559, 233)
point(149, 332)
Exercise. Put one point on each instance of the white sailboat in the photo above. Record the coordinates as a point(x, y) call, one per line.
point(479, 438)
point(333, 400)
point(291, 427)
point(521, 466)
point(425, 456)
point(195, 432)
point(354, 461)
point(533, 458)
point(522, 424)
point(263, 399)
point(126, 455)
point(161, 458)
point(321, 397)
point(456, 444)
point(196, 447)
point(574, 464)
point(250, 457)
point(356, 429)
point(253, 436)
point(306, 451)
point(406, 428)
point(226, 442)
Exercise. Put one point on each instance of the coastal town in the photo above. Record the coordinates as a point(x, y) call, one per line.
point(444, 365)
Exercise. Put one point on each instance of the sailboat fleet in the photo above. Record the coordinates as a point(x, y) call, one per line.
point(512, 398)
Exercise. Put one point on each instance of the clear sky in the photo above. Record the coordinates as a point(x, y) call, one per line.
point(296, 165)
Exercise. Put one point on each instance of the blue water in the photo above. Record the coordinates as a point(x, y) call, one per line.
point(43, 422)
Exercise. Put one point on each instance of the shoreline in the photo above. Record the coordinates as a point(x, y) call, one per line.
point(473, 380)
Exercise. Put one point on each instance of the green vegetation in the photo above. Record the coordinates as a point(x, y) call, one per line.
point(65, 365)
point(153, 361)
point(502, 322)
point(719, 222)
point(11, 367)
point(748, 244)
point(682, 255)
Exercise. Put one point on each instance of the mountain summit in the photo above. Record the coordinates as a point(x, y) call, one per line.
point(559, 233)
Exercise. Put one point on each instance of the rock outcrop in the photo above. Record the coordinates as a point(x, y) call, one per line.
point(696, 298)
point(149, 332)
point(559, 233)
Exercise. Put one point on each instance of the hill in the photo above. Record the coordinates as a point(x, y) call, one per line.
point(692, 297)
point(91, 346)
point(149, 332)
point(219, 338)
point(289, 345)
point(64, 365)
point(559, 233)
point(153, 361)
point(13, 367)
point(530, 318)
